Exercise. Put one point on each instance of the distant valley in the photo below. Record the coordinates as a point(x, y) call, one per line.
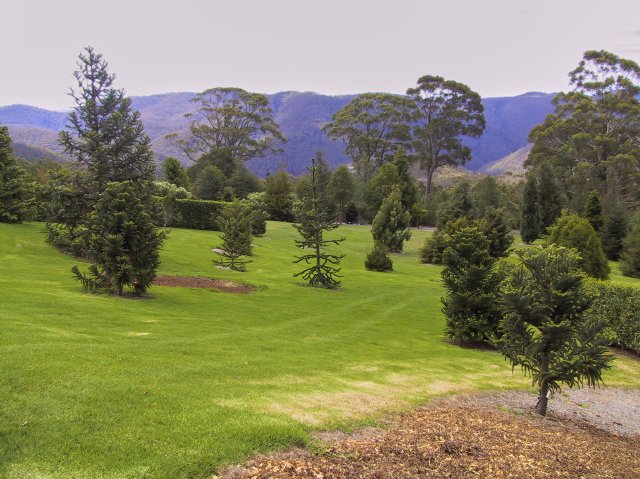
point(300, 116)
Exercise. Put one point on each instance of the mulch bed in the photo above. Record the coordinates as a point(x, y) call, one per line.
point(457, 440)
point(198, 282)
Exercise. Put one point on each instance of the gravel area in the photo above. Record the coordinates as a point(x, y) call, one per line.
point(614, 410)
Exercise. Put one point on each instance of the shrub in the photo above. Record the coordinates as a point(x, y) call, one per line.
point(494, 226)
point(434, 245)
point(614, 232)
point(571, 231)
point(619, 306)
point(378, 259)
point(197, 214)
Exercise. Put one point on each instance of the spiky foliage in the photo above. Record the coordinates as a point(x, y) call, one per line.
point(593, 210)
point(125, 244)
point(434, 245)
point(235, 224)
point(571, 231)
point(545, 330)
point(15, 197)
point(494, 226)
point(614, 231)
point(378, 259)
point(530, 219)
point(313, 221)
point(103, 132)
point(391, 225)
point(471, 284)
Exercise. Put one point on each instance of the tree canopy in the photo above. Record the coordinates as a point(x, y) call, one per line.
point(447, 111)
point(372, 126)
point(234, 120)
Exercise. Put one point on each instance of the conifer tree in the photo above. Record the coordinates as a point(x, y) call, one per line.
point(549, 203)
point(390, 227)
point(458, 205)
point(378, 259)
point(494, 226)
point(614, 231)
point(340, 190)
point(471, 284)
point(544, 329)
point(14, 186)
point(313, 222)
point(125, 244)
point(103, 132)
point(593, 211)
point(174, 172)
point(210, 184)
point(235, 224)
point(572, 231)
point(530, 220)
point(630, 255)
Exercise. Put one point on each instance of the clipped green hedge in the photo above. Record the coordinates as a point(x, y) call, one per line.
point(619, 306)
point(196, 214)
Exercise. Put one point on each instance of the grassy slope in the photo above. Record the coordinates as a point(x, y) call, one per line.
point(101, 387)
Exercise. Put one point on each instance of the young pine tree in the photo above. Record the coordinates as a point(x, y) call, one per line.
point(494, 226)
point(14, 186)
point(593, 210)
point(545, 330)
point(313, 221)
point(125, 244)
point(390, 227)
point(235, 224)
point(530, 219)
point(174, 172)
point(471, 284)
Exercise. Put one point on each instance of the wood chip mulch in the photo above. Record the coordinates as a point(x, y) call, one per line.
point(461, 441)
point(199, 282)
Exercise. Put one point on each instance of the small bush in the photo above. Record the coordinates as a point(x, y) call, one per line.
point(378, 259)
point(619, 306)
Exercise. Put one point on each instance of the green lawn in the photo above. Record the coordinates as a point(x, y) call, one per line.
point(177, 385)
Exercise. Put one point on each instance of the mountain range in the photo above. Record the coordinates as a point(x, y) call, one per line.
point(300, 115)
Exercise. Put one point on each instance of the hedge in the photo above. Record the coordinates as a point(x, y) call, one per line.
point(196, 214)
point(619, 306)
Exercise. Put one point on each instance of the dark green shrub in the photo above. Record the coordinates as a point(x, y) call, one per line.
point(494, 226)
point(630, 254)
point(378, 259)
point(471, 285)
point(613, 233)
point(571, 231)
point(619, 307)
point(434, 245)
point(197, 214)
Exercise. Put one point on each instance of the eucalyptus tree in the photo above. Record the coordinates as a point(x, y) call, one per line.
point(232, 120)
point(372, 127)
point(594, 133)
point(446, 111)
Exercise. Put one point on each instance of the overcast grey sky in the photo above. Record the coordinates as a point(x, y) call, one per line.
point(497, 47)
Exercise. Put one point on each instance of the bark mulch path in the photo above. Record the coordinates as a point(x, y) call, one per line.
point(198, 282)
point(462, 438)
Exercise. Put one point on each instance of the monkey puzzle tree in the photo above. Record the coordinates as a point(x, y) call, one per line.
point(235, 224)
point(544, 329)
point(446, 112)
point(103, 132)
point(125, 244)
point(313, 221)
point(372, 126)
point(232, 120)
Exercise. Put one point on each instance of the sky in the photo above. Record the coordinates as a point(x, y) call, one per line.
point(496, 47)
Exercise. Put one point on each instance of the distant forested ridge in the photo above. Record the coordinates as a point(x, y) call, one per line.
point(300, 115)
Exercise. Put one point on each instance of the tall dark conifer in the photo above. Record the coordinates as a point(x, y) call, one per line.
point(530, 220)
point(14, 191)
point(549, 202)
